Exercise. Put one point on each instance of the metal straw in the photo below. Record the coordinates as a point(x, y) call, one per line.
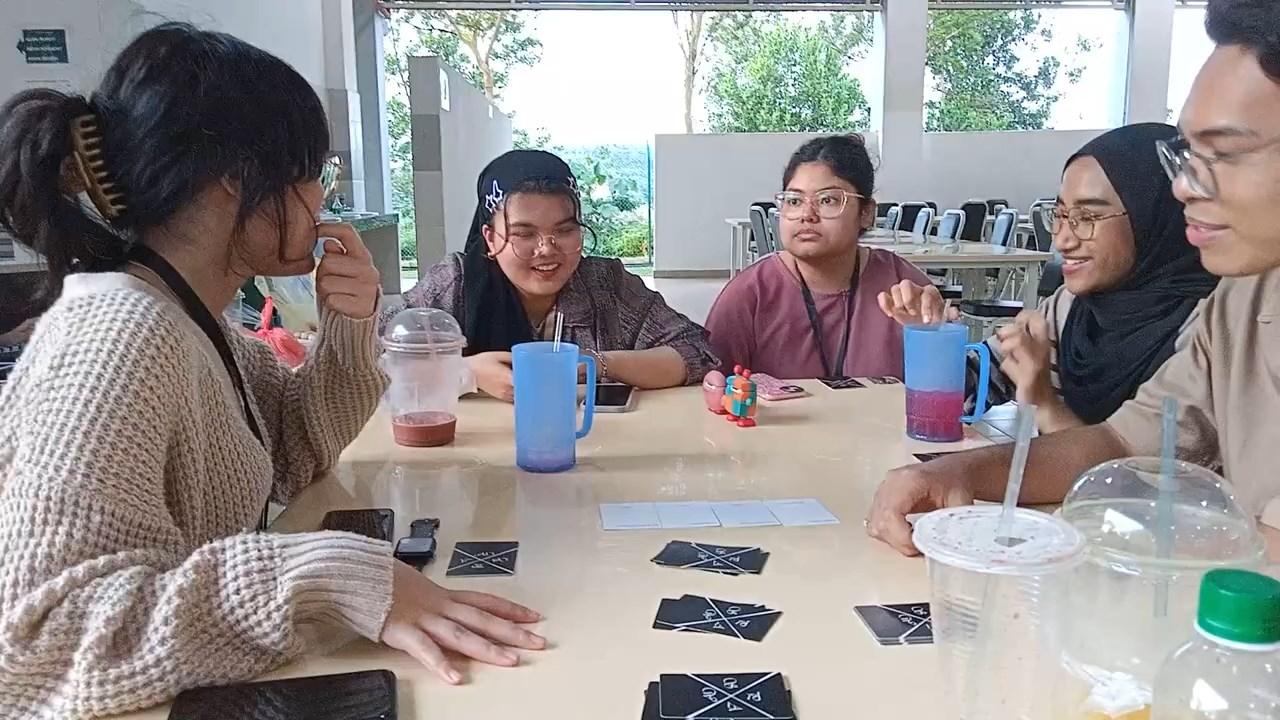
point(555, 345)
point(1026, 425)
point(1164, 500)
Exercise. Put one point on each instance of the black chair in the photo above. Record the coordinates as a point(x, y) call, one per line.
point(909, 212)
point(993, 202)
point(1043, 238)
point(759, 213)
point(975, 216)
point(933, 205)
point(882, 209)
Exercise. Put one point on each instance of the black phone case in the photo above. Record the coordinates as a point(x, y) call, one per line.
point(369, 695)
point(379, 524)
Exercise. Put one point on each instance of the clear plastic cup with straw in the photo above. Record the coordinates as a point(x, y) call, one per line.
point(997, 574)
point(1153, 528)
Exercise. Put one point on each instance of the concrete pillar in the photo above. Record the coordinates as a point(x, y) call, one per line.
point(906, 24)
point(1150, 47)
point(371, 84)
point(343, 99)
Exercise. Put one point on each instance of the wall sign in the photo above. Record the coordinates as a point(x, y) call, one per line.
point(44, 47)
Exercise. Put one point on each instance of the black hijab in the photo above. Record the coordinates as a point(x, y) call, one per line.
point(493, 318)
point(1114, 341)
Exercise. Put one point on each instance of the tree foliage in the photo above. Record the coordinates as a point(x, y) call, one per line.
point(482, 45)
point(975, 58)
point(777, 75)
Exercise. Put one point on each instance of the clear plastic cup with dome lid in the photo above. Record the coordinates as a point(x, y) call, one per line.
point(1146, 553)
point(424, 359)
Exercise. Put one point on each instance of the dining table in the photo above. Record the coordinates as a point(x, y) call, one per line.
point(598, 589)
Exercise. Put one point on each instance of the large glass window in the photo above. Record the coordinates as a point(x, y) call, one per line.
point(1191, 47)
point(1059, 69)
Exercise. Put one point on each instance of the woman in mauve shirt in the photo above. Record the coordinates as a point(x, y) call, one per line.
point(810, 311)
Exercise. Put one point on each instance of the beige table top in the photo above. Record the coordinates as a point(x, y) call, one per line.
point(598, 589)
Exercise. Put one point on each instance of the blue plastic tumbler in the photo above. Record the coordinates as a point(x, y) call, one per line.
point(935, 373)
point(546, 381)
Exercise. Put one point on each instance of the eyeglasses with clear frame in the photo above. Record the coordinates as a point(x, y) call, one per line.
point(526, 243)
point(1081, 221)
point(829, 204)
point(1179, 160)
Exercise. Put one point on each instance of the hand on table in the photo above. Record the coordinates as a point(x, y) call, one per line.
point(912, 304)
point(1027, 356)
point(427, 619)
point(494, 375)
point(906, 490)
point(346, 280)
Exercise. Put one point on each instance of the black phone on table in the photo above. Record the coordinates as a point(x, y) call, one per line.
point(615, 397)
point(377, 523)
point(367, 695)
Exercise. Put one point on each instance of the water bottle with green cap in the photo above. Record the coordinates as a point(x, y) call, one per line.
point(1231, 669)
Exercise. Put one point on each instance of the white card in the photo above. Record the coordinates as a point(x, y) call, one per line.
point(801, 511)
point(686, 515)
point(744, 513)
point(629, 516)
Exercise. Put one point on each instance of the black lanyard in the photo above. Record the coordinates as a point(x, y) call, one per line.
point(815, 323)
point(209, 325)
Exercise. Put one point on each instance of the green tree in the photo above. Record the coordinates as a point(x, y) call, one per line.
point(482, 45)
point(776, 75)
point(975, 58)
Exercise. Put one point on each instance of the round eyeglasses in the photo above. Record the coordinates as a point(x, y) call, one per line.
point(1082, 222)
point(526, 243)
point(829, 204)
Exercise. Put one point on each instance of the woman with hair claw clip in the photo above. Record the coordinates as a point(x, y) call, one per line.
point(141, 438)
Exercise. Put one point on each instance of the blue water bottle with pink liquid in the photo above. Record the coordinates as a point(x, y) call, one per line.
point(935, 372)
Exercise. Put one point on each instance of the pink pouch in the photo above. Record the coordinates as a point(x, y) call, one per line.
point(281, 341)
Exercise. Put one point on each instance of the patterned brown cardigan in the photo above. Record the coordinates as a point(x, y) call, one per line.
point(605, 308)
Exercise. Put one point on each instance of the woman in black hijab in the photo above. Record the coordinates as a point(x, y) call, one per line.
point(1131, 283)
point(523, 261)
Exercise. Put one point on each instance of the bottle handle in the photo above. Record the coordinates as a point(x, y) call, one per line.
point(984, 381)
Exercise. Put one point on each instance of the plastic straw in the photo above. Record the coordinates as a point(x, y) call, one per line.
point(1026, 425)
point(1164, 501)
point(555, 346)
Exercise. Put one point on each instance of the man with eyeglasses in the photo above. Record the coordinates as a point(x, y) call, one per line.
point(1226, 169)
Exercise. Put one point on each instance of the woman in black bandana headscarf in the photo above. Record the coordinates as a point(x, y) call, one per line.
point(1131, 282)
point(523, 261)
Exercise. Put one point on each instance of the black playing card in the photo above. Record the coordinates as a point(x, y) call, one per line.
point(884, 380)
point(483, 558)
point(743, 696)
point(693, 613)
point(723, 559)
point(926, 457)
point(651, 703)
point(841, 383)
point(907, 624)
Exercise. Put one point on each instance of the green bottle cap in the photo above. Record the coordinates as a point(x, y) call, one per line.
point(1240, 606)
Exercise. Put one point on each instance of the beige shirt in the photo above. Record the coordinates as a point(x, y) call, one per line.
point(1227, 382)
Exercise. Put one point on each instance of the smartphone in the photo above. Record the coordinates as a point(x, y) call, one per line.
point(772, 389)
point(368, 695)
point(615, 398)
point(379, 524)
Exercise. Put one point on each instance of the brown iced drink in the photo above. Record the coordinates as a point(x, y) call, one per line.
point(424, 429)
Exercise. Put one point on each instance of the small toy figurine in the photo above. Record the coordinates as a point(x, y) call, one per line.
point(740, 398)
point(713, 386)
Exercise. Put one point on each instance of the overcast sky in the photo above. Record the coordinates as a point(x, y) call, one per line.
point(615, 76)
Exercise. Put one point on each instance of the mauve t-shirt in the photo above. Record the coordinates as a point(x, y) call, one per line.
point(759, 321)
